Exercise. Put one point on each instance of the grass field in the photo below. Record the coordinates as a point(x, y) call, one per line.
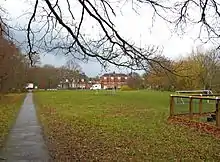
point(9, 107)
point(128, 126)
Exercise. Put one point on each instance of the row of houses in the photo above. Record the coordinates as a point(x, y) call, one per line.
point(107, 81)
point(112, 80)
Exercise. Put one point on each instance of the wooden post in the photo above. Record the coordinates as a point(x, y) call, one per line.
point(190, 108)
point(200, 105)
point(171, 105)
point(217, 112)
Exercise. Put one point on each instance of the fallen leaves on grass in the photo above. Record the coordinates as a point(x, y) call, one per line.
point(78, 140)
point(113, 130)
point(211, 129)
point(9, 107)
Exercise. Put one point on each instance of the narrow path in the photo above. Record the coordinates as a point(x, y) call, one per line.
point(25, 141)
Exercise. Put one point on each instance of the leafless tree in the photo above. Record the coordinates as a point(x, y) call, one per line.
point(73, 66)
point(209, 62)
point(72, 72)
point(67, 36)
point(54, 26)
point(4, 28)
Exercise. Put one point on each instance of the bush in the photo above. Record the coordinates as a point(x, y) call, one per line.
point(126, 88)
point(14, 90)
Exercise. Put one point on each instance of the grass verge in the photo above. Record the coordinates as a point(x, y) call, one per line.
point(9, 107)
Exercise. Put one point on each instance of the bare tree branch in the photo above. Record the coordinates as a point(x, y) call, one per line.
point(57, 33)
point(29, 31)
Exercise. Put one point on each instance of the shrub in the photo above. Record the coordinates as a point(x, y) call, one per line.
point(126, 88)
point(14, 90)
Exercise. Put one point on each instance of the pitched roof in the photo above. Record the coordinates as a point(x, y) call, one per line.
point(114, 74)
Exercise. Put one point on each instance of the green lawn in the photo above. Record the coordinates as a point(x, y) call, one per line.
point(128, 126)
point(9, 107)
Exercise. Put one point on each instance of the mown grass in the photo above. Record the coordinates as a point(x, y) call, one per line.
point(9, 107)
point(128, 126)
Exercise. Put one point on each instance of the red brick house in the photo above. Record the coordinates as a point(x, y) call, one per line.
point(111, 80)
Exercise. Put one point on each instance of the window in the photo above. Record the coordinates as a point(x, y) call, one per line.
point(126, 78)
point(105, 78)
point(112, 78)
point(119, 78)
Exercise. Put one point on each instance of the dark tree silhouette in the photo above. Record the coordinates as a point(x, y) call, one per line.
point(55, 27)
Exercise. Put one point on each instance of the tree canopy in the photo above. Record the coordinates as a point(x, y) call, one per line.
point(58, 26)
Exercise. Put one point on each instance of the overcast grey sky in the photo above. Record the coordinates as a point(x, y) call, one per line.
point(136, 27)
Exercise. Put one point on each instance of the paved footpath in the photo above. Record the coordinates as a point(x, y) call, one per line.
point(25, 141)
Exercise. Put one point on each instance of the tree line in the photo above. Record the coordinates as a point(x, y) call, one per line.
point(49, 77)
point(50, 29)
point(199, 70)
point(13, 66)
point(16, 70)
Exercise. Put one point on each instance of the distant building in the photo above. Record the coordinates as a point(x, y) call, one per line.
point(107, 81)
point(111, 80)
point(92, 81)
point(76, 83)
